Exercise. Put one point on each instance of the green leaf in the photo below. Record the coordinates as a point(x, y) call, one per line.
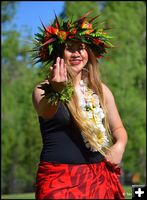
point(50, 49)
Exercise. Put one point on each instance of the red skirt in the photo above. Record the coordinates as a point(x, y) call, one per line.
point(78, 181)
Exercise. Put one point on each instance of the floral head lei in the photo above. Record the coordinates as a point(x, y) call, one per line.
point(50, 39)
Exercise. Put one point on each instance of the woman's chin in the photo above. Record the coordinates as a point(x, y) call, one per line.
point(76, 68)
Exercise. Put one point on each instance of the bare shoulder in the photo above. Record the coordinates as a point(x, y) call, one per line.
point(108, 95)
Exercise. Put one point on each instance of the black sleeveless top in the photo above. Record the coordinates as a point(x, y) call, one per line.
point(62, 141)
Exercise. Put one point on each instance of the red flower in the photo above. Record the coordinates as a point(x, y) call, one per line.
point(74, 31)
point(97, 41)
point(52, 30)
point(46, 37)
point(100, 56)
point(71, 36)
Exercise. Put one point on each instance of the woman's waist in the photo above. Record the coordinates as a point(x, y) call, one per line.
point(70, 155)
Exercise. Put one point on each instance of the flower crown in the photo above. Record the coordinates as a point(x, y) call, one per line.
point(50, 39)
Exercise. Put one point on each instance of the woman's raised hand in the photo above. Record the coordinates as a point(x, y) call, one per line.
point(58, 75)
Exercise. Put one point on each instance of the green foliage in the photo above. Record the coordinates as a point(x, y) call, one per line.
point(124, 72)
point(79, 8)
point(8, 10)
point(21, 140)
point(53, 97)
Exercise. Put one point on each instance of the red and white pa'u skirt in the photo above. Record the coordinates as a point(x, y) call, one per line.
point(78, 181)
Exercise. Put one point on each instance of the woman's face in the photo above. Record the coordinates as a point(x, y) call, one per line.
point(76, 56)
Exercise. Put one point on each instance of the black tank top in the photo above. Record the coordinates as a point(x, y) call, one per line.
point(62, 140)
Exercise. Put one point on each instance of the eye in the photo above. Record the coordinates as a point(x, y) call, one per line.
point(78, 48)
point(82, 47)
point(69, 48)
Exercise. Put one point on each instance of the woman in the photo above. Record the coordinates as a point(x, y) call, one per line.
point(83, 136)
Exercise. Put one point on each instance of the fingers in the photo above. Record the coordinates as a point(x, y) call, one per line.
point(57, 68)
point(112, 160)
point(62, 70)
point(50, 73)
point(58, 72)
point(65, 72)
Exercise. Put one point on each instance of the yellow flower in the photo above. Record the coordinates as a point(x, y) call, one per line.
point(86, 24)
point(100, 138)
point(62, 35)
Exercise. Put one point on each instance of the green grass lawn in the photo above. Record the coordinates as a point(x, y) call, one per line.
point(19, 196)
point(128, 194)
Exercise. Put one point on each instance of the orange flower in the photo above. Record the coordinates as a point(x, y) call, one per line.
point(52, 30)
point(102, 32)
point(105, 33)
point(86, 24)
point(62, 35)
point(88, 31)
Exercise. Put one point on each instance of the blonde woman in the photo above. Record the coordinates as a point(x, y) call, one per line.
point(83, 135)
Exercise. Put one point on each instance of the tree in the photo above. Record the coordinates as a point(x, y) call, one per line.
point(21, 141)
point(78, 8)
point(8, 10)
point(124, 71)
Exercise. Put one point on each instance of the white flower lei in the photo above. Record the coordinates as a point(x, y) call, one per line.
point(93, 114)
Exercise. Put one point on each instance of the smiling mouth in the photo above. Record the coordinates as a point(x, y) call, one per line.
point(75, 62)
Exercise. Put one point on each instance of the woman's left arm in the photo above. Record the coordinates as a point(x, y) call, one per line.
point(117, 128)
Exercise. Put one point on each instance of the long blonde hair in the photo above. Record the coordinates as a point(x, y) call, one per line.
point(91, 74)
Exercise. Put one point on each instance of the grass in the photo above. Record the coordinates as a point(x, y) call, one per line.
point(128, 194)
point(19, 196)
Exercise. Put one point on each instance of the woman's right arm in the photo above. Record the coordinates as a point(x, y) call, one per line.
point(58, 80)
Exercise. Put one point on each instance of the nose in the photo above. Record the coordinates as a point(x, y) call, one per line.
point(75, 53)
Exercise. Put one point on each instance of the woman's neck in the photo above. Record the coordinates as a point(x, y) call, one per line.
point(77, 80)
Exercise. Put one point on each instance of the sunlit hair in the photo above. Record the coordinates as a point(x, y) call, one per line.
point(91, 75)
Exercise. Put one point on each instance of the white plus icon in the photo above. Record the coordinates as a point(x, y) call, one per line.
point(139, 192)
